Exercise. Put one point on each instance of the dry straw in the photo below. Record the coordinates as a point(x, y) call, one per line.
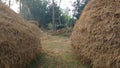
point(33, 22)
point(19, 40)
point(96, 35)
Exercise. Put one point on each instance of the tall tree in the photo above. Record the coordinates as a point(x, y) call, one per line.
point(78, 7)
point(53, 15)
point(42, 11)
point(9, 3)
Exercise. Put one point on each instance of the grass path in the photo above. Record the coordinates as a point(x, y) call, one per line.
point(58, 53)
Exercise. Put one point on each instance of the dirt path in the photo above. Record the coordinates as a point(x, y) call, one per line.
point(58, 53)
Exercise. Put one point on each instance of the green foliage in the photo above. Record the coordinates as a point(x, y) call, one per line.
point(42, 11)
point(78, 7)
point(37, 61)
point(57, 12)
point(37, 10)
point(65, 18)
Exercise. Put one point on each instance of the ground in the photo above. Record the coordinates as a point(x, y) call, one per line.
point(57, 53)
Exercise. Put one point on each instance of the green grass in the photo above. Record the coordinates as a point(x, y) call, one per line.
point(57, 54)
point(37, 61)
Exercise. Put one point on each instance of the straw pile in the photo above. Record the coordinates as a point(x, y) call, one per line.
point(33, 22)
point(19, 44)
point(96, 35)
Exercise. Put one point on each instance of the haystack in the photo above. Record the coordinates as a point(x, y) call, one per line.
point(33, 22)
point(96, 35)
point(19, 44)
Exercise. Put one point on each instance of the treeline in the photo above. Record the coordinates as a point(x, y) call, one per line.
point(48, 14)
point(42, 11)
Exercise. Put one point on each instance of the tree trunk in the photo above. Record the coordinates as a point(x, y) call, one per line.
point(20, 6)
point(53, 19)
point(9, 3)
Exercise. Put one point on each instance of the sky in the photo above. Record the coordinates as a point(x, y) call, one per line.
point(67, 4)
point(64, 4)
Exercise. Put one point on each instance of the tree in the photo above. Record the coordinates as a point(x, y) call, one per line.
point(40, 10)
point(9, 3)
point(78, 7)
point(53, 13)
